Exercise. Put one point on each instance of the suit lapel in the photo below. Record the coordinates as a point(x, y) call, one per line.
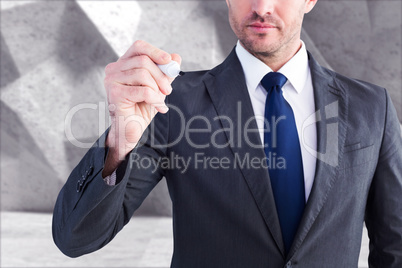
point(331, 114)
point(228, 91)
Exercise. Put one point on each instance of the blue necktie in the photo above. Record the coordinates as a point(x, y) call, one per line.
point(285, 166)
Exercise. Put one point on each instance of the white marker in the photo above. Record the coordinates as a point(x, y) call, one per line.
point(172, 69)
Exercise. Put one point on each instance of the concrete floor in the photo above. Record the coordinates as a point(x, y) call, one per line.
point(26, 241)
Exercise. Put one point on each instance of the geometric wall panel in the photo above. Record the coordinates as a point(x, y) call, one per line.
point(361, 39)
point(9, 71)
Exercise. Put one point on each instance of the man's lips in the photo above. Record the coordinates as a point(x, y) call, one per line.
point(261, 27)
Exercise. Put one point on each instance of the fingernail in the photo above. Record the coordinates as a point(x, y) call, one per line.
point(163, 108)
point(169, 89)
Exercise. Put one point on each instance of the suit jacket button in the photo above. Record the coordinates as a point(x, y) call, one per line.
point(89, 171)
point(79, 186)
point(289, 264)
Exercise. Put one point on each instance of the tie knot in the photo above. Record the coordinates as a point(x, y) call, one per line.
point(273, 79)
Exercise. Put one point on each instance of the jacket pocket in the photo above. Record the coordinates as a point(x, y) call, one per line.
point(356, 158)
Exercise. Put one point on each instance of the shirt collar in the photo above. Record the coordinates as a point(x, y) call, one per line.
point(296, 69)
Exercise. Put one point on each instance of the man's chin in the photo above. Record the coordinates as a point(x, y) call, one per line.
point(259, 47)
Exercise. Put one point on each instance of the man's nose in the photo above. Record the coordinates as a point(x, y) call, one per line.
point(263, 7)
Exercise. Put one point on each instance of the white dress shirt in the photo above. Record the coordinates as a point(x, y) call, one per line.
point(298, 92)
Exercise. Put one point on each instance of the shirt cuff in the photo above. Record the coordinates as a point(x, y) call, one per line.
point(111, 179)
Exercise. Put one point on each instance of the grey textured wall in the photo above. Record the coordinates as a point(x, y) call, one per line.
point(53, 54)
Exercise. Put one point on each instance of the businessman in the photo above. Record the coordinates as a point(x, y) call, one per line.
point(270, 159)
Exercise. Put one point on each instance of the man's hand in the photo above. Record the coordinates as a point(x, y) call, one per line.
point(136, 90)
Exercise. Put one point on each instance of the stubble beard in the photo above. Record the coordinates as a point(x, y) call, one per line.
point(255, 44)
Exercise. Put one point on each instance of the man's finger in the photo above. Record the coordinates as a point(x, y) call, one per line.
point(143, 48)
point(135, 77)
point(176, 58)
point(128, 67)
point(128, 95)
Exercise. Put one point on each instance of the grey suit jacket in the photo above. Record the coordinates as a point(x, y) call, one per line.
point(224, 214)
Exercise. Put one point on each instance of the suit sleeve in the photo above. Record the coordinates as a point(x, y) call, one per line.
point(384, 207)
point(88, 212)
